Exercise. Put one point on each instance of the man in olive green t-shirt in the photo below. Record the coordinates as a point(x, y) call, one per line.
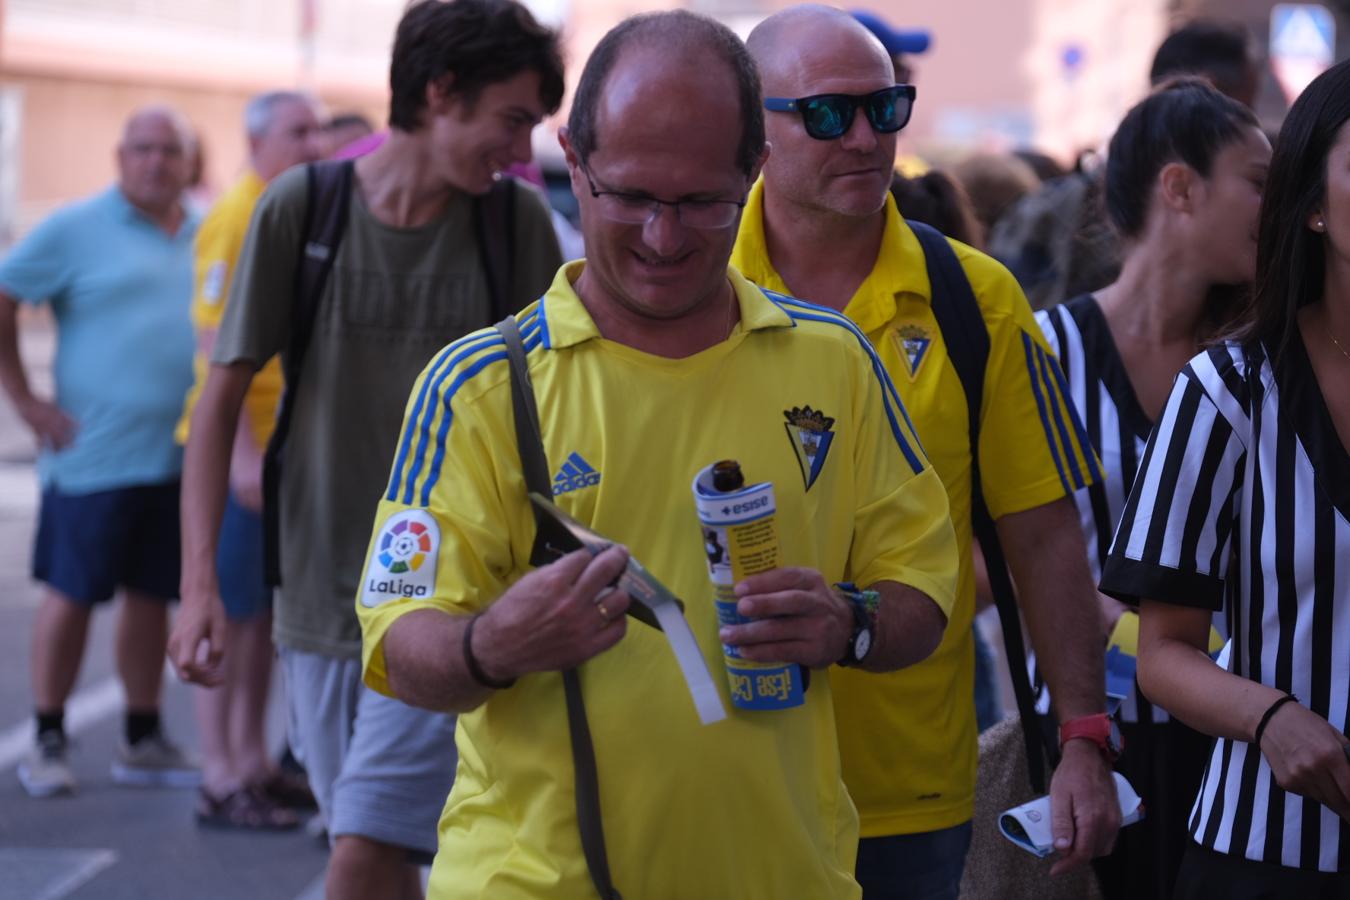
point(470, 79)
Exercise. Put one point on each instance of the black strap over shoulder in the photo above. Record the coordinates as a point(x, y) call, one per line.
point(534, 464)
point(494, 217)
point(967, 341)
point(329, 198)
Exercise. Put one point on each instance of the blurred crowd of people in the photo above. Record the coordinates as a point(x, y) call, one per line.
point(1100, 397)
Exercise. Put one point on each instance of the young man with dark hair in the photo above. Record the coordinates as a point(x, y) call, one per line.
point(408, 276)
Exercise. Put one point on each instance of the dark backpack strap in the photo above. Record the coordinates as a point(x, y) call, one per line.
point(534, 464)
point(329, 198)
point(967, 340)
point(495, 229)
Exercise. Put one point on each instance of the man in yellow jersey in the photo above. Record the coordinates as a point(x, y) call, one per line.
point(651, 359)
point(821, 225)
point(240, 786)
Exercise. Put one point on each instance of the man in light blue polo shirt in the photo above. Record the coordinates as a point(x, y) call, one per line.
point(116, 270)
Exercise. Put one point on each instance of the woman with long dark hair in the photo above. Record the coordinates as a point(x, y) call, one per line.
point(1242, 503)
point(1183, 183)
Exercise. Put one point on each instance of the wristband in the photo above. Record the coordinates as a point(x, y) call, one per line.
point(1265, 719)
point(475, 670)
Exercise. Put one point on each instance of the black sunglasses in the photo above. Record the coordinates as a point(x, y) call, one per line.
point(828, 116)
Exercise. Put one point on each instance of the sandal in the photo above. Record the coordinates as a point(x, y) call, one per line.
point(246, 808)
point(289, 790)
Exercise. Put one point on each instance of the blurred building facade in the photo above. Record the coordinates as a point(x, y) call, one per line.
point(1052, 74)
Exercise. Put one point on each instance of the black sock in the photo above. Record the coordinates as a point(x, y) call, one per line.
point(141, 724)
point(51, 722)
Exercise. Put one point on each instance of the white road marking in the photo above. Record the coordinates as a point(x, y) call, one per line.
point(74, 869)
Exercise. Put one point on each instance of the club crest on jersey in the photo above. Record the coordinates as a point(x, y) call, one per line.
point(913, 342)
point(402, 564)
point(809, 432)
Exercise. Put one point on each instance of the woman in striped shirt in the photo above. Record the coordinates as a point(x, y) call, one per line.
point(1183, 184)
point(1242, 502)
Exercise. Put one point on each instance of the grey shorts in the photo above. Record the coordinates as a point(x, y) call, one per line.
point(380, 769)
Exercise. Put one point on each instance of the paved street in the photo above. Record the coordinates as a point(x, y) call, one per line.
point(107, 842)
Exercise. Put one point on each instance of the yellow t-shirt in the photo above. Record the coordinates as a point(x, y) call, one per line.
point(750, 807)
point(219, 241)
point(908, 738)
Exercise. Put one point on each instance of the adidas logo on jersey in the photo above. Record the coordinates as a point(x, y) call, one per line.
point(574, 475)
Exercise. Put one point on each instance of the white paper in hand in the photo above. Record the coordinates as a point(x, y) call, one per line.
point(1029, 825)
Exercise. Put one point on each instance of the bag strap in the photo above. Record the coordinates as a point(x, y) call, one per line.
point(967, 340)
point(534, 464)
point(328, 199)
point(495, 228)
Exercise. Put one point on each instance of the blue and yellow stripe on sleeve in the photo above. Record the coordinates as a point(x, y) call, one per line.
point(901, 427)
point(1064, 433)
point(426, 428)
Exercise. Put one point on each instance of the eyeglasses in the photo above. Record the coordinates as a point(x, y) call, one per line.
point(639, 209)
point(828, 116)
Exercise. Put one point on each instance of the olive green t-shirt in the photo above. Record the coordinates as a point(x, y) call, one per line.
point(394, 298)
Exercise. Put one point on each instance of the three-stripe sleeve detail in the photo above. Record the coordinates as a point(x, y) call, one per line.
point(901, 427)
point(421, 448)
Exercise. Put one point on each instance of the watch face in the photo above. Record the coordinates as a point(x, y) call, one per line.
point(862, 642)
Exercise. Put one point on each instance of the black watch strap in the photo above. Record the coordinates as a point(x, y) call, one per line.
point(860, 638)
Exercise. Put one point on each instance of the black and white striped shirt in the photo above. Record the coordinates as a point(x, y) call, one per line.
point(1243, 502)
point(1117, 427)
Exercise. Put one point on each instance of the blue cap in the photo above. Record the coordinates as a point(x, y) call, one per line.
point(894, 40)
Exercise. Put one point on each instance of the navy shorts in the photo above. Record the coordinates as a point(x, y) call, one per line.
point(239, 564)
point(88, 545)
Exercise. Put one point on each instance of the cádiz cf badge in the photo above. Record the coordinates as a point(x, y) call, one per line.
point(913, 342)
point(810, 434)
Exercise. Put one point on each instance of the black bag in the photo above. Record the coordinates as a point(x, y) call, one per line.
point(967, 339)
point(329, 199)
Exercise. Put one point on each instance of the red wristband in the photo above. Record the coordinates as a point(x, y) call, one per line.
point(1100, 728)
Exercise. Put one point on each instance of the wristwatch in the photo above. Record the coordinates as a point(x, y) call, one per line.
point(863, 605)
point(1101, 729)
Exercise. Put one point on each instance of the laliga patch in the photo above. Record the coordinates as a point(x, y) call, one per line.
point(913, 342)
point(213, 284)
point(402, 563)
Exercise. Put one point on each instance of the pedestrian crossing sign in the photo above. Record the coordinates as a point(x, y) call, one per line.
point(1302, 44)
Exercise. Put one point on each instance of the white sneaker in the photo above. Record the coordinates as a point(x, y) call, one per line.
point(155, 761)
point(46, 772)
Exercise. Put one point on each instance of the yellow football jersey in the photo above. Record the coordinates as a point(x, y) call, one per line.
point(908, 738)
point(219, 242)
point(756, 800)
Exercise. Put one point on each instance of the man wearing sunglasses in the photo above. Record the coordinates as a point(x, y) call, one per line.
point(820, 224)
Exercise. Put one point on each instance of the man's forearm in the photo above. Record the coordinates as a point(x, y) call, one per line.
point(1048, 558)
point(206, 465)
point(425, 666)
point(12, 376)
point(909, 628)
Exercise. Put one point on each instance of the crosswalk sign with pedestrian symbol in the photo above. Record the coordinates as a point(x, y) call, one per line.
point(1302, 44)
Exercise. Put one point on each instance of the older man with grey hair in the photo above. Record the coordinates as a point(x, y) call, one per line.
point(115, 269)
point(241, 787)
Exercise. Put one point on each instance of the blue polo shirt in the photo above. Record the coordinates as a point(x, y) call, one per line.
point(119, 289)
